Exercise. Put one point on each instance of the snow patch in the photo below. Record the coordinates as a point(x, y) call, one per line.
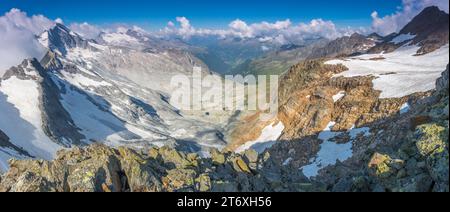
point(119, 39)
point(81, 81)
point(400, 73)
point(404, 108)
point(355, 132)
point(330, 152)
point(269, 136)
point(402, 38)
point(339, 96)
point(287, 161)
point(21, 118)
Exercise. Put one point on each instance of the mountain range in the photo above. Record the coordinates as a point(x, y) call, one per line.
point(359, 113)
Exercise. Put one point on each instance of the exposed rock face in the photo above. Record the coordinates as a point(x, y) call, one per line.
point(99, 168)
point(347, 45)
point(430, 30)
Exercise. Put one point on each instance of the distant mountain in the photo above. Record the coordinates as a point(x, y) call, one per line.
point(375, 37)
point(347, 45)
point(223, 55)
point(278, 60)
point(429, 30)
point(283, 57)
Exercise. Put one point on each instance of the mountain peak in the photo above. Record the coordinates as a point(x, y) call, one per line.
point(61, 27)
point(431, 9)
point(430, 19)
point(356, 35)
point(429, 30)
point(60, 39)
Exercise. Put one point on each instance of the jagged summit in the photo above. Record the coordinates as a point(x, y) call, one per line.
point(430, 20)
point(60, 38)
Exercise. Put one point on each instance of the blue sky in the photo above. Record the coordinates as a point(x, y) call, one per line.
point(203, 13)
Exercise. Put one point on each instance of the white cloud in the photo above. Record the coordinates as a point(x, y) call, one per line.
point(36, 23)
point(17, 38)
point(409, 9)
point(279, 32)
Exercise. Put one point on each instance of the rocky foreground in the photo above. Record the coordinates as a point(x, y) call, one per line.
point(98, 168)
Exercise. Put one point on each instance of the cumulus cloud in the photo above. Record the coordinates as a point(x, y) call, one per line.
point(279, 32)
point(409, 9)
point(17, 37)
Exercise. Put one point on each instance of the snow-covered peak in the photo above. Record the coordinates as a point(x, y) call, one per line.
point(60, 39)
